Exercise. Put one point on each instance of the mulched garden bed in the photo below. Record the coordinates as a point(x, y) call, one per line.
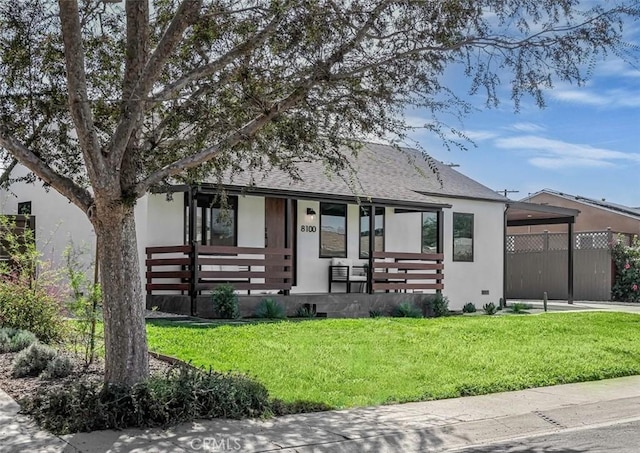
point(19, 388)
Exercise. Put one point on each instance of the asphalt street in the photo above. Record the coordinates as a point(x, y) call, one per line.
point(619, 438)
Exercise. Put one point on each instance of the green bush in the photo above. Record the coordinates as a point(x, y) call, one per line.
point(22, 340)
point(14, 340)
point(304, 311)
point(627, 270)
point(270, 308)
point(490, 308)
point(375, 314)
point(33, 360)
point(59, 367)
point(225, 301)
point(29, 289)
point(406, 310)
point(520, 308)
point(183, 394)
point(469, 308)
point(440, 306)
point(31, 309)
point(5, 340)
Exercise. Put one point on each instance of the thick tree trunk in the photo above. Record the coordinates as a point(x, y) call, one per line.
point(126, 356)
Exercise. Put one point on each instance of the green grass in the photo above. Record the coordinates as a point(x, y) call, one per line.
point(360, 362)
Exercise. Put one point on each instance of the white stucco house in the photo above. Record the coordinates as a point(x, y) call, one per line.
point(283, 236)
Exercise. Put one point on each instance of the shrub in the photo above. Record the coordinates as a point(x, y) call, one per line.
point(30, 309)
point(519, 308)
point(627, 264)
point(60, 366)
point(33, 360)
point(20, 340)
point(225, 302)
point(407, 310)
point(490, 308)
point(29, 298)
point(182, 394)
point(375, 314)
point(271, 309)
point(5, 341)
point(305, 311)
point(469, 308)
point(440, 306)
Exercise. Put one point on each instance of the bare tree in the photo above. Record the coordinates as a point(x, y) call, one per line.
point(103, 100)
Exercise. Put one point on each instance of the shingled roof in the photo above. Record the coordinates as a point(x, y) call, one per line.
point(603, 204)
point(384, 174)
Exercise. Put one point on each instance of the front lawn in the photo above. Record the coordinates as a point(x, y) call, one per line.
point(361, 362)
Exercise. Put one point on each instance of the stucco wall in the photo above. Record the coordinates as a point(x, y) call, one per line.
point(58, 221)
point(590, 218)
point(465, 281)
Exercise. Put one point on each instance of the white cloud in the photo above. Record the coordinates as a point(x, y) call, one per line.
point(607, 98)
point(417, 121)
point(479, 135)
point(557, 163)
point(526, 127)
point(557, 154)
point(580, 97)
point(420, 129)
point(617, 67)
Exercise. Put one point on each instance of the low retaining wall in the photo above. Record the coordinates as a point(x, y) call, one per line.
point(352, 305)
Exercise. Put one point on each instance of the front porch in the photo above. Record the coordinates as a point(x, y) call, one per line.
point(179, 279)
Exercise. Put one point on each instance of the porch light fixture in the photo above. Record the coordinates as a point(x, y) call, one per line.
point(311, 213)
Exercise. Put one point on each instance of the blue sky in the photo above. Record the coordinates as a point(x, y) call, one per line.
point(585, 142)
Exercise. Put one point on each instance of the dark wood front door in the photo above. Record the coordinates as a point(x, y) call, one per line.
point(278, 229)
point(275, 222)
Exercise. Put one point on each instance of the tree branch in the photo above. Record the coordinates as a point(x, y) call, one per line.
point(66, 186)
point(134, 105)
point(6, 174)
point(77, 85)
point(209, 69)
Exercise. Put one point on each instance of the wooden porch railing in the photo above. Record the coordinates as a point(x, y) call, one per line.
point(397, 271)
point(193, 269)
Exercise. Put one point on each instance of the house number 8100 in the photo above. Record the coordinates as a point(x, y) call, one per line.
point(308, 228)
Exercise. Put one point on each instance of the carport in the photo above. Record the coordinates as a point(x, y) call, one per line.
point(519, 213)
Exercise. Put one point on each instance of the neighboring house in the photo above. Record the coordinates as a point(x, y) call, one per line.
point(286, 234)
point(595, 215)
point(537, 254)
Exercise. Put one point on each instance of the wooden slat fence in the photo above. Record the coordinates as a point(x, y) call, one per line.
point(400, 271)
point(198, 268)
point(537, 263)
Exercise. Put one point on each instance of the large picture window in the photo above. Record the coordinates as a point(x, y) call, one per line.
point(462, 237)
point(429, 232)
point(214, 224)
point(378, 243)
point(333, 230)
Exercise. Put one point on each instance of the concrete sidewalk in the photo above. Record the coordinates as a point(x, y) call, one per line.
point(415, 427)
